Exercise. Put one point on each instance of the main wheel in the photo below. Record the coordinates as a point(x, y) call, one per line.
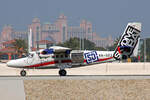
point(23, 73)
point(62, 72)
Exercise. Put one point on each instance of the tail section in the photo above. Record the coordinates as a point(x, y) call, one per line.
point(128, 44)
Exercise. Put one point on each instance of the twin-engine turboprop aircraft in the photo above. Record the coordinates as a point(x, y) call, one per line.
point(63, 57)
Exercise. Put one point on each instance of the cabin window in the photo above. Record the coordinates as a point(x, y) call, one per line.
point(53, 56)
point(57, 56)
point(101, 55)
point(66, 56)
point(62, 56)
point(30, 55)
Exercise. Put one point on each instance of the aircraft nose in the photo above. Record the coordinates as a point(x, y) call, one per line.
point(15, 63)
point(11, 63)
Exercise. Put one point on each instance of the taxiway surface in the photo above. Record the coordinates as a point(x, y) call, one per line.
point(105, 69)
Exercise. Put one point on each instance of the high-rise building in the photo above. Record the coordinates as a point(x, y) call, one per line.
point(85, 31)
point(6, 33)
point(20, 35)
point(87, 27)
point(61, 24)
point(82, 31)
point(75, 31)
point(50, 32)
point(36, 31)
point(57, 32)
point(102, 42)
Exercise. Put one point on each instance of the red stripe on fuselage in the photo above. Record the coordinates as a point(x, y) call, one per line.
point(63, 61)
point(105, 59)
point(48, 63)
point(101, 59)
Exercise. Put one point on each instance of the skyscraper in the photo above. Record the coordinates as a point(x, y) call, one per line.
point(36, 31)
point(57, 32)
point(61, 24)
point(6, 33)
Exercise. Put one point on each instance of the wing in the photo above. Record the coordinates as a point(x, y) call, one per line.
point(59, 49)
point(54, 50)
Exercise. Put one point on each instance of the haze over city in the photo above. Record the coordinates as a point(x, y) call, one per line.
point(74, 49)
point(108, 17)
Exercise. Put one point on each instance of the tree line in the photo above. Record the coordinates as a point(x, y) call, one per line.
point(80, 44)
point(21, 47)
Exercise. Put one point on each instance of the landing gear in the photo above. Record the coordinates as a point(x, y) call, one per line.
point(62, 72)
point(23, 73)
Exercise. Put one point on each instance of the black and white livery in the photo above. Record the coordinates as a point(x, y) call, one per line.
point(128, 41)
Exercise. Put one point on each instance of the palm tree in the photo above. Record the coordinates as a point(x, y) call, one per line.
point(20, 46)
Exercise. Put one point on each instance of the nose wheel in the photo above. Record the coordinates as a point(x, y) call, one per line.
point(23, 73)
point(62, 72)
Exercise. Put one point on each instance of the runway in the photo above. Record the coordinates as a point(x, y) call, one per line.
point(97, 70)
point(114, 80)
point(78, 77)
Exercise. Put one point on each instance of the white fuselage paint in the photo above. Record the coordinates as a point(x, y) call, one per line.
point(61, 56)
point(34, 59)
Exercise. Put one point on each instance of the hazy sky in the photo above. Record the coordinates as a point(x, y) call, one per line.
point(109, 17)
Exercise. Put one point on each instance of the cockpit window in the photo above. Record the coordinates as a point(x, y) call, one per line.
point(43, 52)
point(30, 55)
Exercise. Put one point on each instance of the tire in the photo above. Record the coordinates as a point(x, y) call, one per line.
point(23, 73)
point(62, 72)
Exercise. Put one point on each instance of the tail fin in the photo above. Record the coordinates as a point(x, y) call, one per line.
point(128, 44)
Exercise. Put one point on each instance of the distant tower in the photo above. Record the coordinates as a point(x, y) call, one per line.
point(61, 23)
point(110, 40)
point(87, 27)
point(36, 32)
point(7, 33)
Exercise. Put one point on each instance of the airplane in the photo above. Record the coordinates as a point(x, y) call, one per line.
point(64, 57)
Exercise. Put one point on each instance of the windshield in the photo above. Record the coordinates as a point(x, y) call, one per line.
point(30, 55)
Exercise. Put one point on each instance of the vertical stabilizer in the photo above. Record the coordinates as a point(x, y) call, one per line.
point(128, 44)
